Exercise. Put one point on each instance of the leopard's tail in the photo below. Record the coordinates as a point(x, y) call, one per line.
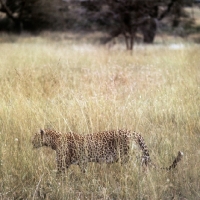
point(176, 161)
point(146, 160)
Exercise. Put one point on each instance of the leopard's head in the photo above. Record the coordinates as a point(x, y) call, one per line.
point(37, 140)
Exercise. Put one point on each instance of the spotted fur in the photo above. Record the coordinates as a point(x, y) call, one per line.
point(107, 146)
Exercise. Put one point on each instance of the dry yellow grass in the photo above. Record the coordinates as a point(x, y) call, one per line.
point(71, 85)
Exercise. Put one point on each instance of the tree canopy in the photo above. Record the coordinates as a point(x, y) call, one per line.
point(126, 17)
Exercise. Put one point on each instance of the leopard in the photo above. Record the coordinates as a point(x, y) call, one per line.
point(101, 147)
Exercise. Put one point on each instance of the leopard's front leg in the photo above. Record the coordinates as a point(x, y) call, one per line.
point(61, 162)
point(83, 166)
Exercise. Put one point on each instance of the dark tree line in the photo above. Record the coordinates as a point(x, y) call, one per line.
point(29, 14)
point(125, 17)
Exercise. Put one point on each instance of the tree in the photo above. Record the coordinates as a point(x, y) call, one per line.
point(126, 17)
point(31, 14)
point(13, 10)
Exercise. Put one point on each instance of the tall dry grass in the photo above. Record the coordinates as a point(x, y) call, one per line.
point(76, 86)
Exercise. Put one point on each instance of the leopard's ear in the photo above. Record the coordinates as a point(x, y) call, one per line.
point(42, 133)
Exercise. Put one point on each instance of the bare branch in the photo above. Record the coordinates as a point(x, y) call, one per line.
point(8, 11)
point(169, 6)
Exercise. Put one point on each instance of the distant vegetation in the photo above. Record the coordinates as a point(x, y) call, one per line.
point(130, 18)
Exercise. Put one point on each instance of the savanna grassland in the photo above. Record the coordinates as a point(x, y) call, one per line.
point(68, 85)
